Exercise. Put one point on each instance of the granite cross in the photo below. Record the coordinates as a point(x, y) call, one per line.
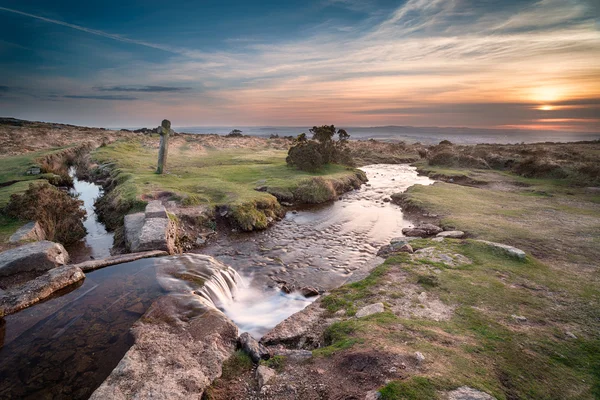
point(164, 130)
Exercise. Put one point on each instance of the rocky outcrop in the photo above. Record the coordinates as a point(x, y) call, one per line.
point(369, 310)
point(33, 257)
point(255, 350)
point(30, 232)
point(301, 330)
point(151, 230)
point(38, 289)
point(468, 393)
point(509, 250)
point(435, 255)
point(180, 345)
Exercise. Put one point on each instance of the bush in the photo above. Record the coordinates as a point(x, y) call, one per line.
point(305, 156)
point(311, 155)
point(537, 167)
point(446, 158)
point(59, 214)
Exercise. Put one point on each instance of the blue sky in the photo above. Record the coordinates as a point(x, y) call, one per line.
point(485, 63)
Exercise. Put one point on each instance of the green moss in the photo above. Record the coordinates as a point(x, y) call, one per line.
point(239, 363)
point(417, 388)
point(275, 362)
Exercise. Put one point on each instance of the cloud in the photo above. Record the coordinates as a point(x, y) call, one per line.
point(151, 89)
point(93, 97)
point(96, 32)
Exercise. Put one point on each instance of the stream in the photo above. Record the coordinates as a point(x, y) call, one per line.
point(66, 346)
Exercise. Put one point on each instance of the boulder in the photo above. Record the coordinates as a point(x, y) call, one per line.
point(369, 310)
point(38, 289)
point(390, 249)
point(422, 230)
point(399, 241)
point(468, 393)
point(264, 374)
point(301, 329)
point(255, 350)
point(30, 232)
point(308, 291)
point(37, 257)
point(435, 255)
point(451, 234)
point(179, 347)
point(509, 250)
point(145, 234)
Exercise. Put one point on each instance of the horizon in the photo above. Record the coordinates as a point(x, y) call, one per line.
point(522, 65)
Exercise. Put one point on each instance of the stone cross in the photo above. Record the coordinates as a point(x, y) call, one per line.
point(165, 130)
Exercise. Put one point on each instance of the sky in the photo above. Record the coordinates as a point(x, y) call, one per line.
point(530, 64)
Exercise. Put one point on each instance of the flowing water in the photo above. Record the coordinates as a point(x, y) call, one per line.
point(65, 347)
point(322, 246)
point(98, 242)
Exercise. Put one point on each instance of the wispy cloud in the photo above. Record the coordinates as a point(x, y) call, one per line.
point(92, 97)
point(149, 89)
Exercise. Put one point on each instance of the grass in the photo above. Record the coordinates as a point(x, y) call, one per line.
point(236, 365)
point(208, 176)
point(481, 346)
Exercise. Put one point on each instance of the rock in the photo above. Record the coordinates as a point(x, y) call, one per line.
point(570, 335)
point(38, 256)
point(255, 350)
point(179, 347)
point(296, 330)
point(414, 232)
point(118, 259)
point(372, 395)
point(369, 310)
point(437, 239)
point(38, 289)
point(407, 248)
point(519, 318)
point(200, 241)
point(451, 234)
point(33, 171)
point(264, 374)
point(288, 288)
point(420, 357)
point(308, 291)
point(144, 234)
point(510, 250)
point(435, 255)
point(155, 209)
point(30, 232)
point(387, 200)
point(467, 393)
point(422, 230)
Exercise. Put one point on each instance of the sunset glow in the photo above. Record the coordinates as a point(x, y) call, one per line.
point(346, 62)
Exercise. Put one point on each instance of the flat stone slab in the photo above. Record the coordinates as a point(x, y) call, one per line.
point(468, 393)
point(155, 209)
point(434, 255)
point(38, 289)
point(180, 346)
point(30, 232)
point(510, 250)
point(146, 234)
point(369, 310)
point(91, 265)
point(38, 256)
point(451, 234)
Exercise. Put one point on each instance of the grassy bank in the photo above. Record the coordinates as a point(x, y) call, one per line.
point(217, 175)
point(507, 334)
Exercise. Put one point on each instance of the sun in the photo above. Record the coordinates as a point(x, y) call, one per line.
point(546, 108)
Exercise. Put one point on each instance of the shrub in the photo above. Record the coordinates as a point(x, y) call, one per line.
point(305, 156)
point(58, 213)
point(234, 133)
point(444, 157)
point(311, 155)
point(539, 167)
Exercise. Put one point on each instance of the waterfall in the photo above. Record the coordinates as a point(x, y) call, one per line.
point(221, 288)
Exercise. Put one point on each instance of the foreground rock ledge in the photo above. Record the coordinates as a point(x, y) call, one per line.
point(180, 345)
point(38, 289)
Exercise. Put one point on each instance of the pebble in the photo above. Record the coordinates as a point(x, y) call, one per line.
point(420, 357)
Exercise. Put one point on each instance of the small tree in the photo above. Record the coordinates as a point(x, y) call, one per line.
point(235, 133)
point(310, 155)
